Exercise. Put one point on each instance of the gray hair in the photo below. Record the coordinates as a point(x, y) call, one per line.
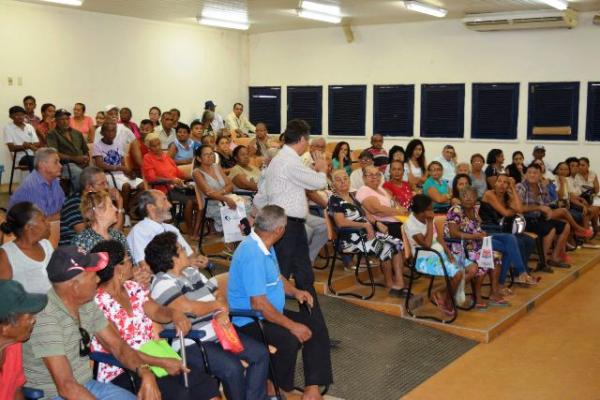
point(43, 154)
point(87, 174)
point(146, 198)
point(467, 190)
point(270, 218)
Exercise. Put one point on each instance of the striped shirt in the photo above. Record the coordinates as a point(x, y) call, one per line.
point(56, 333)
point(70, 215)
point(191, 284)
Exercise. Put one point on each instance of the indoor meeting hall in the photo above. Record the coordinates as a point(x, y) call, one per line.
point(299, 199)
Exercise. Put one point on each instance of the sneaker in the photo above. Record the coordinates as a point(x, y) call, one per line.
point(127, 222)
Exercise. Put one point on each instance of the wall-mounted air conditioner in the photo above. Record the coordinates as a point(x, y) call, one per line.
point(543, 19)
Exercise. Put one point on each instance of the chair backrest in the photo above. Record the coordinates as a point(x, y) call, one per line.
point(244, 141)
point(330, 146)
point(186, 169)
point(406, 243)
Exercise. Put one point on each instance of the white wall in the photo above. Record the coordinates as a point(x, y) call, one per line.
point(66, 56)
point(434, 52)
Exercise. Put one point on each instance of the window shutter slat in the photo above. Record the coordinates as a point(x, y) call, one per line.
point(265, 106)
point(553, 111)
point(495, 110)
point(347, 106)
point(442, 110)
point(393, 110)
point(306, 102)
point(593, 112)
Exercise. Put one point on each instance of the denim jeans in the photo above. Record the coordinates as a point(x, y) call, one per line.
point(105, 391)
point(238, 384)
point(508, 245)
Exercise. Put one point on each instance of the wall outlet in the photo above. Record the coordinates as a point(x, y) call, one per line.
point(10, 81)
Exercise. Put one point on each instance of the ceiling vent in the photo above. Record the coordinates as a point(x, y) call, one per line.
point(521, 20)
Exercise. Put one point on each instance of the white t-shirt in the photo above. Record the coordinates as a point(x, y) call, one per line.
point(144, 231)
point(17, 136)
point(356, 179)
point(123, 139)
point(111, 153)
point(415, 169)
point(415, 227)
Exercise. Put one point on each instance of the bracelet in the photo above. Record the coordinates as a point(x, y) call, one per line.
point(139, 368)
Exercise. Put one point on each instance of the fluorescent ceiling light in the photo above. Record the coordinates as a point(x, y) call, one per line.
point(425, 9)
point(558, 4)
point(223, 24)
point(334, 19)
point(225, 15)
point(320, 7)
point(66, 2)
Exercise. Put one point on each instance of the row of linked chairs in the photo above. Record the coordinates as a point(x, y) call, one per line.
point(170, 335)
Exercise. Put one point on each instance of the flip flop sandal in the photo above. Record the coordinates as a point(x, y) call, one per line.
point(442, 308)
point(498, 303)
point(481, 306)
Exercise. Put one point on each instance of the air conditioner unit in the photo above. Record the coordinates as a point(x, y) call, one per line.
point(542, 19)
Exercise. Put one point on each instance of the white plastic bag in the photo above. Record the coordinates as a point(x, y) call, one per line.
point(459, 296)
point(486, 254)
point(231, 222)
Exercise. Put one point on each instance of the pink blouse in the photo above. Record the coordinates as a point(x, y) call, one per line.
point(384, 199)
point(84, 126)
point(134, 329)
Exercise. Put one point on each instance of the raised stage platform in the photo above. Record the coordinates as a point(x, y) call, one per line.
point(482, 326)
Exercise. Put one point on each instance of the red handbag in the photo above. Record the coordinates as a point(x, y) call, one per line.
point(228, 337)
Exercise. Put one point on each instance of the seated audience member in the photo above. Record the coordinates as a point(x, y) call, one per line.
point(365, 159)
point(546, 177)
point(183, 288)
point(100, 214)
point(47, 123)
point(261, 143)
point(415, 172)
point(315, 151)
point(125, 119)
point(182, 149)
point(377, 202)
point(340, 158)
point(100, 118)
point(217, 124)
point(539, 216)
point(226, 159)
point(128, 306)
point(214, 184)
point(244, 175)
point(208, 118)
point(20, 137)
point(196, 129)
point(237, 123)
point(516, 170)
point(82, 123)
point(154, 114)
point(124, 136)
point(160, 171)
point(397, 186)
point(25, 258)
point(477, 176)
point(108, 157)
point(380, 155)
point(92, 179)
point(71, 146)
point(448, 161)
point(539, 152)
point(347, 213)
point(176, 114)
point(396, 154)
point(255, 282)
point(495, 161)
point(459, 182)
point(154, 207)
point(55, 357)
point(462, 168)
point(138, 148)
point(421, 232)
point(17, 318)
point(436, 188)
point(29, 105)
point(42, 186)
point(586, 177)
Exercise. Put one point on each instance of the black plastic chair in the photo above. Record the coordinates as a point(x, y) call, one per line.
point(32, 394)
point(14, 167)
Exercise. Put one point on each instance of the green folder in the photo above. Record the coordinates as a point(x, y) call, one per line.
point(160, 349)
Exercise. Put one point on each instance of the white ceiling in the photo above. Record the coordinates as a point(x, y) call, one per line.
point(275, 15)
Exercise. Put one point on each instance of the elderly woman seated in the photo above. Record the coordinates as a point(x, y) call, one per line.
point(128, 306)
point(244, 175)
point(182, 287)
point(347, 213)
point(378, 202)
point(161, 171)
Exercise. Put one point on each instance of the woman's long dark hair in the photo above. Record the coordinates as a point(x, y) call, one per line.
point(336, 153)
point(410, 149)
point(455, 183)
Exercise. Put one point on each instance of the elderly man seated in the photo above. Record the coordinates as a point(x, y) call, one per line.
point(255, 282)
point(42, 186)
point(316, 150)
point(56, 356)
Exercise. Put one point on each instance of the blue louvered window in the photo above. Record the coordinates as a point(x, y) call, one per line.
point(443, 110)
point(553, 111)
point(593, 112)
point(495, 111)
point(347, 109)
point(306, 102)
point(265, 106)
point(393, 109)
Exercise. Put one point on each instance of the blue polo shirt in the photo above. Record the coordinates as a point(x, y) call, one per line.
point(48, 196)
point(254, 271)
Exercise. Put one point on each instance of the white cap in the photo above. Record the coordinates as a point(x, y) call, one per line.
point(110, 107)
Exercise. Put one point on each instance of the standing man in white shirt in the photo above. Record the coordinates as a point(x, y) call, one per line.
point(238, 123)
point(20, 136)
point(217, 123)
point(448, 161)
point(285, 184)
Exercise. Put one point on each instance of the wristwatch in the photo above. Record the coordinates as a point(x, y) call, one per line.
point(139, 368)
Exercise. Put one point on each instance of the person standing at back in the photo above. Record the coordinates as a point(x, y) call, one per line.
point(286, 182)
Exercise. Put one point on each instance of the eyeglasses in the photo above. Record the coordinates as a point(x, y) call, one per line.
point(84, 343)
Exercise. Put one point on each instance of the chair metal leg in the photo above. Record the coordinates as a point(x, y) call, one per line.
point(12, 174)
point(271, 367)
point(370, 272)
point(202, 223)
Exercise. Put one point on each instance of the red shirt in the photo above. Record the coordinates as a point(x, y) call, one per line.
point(402, 194)
point(160, 167)
point(12, 377)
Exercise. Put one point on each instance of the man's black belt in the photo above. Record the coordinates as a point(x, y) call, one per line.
point(294, 219)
